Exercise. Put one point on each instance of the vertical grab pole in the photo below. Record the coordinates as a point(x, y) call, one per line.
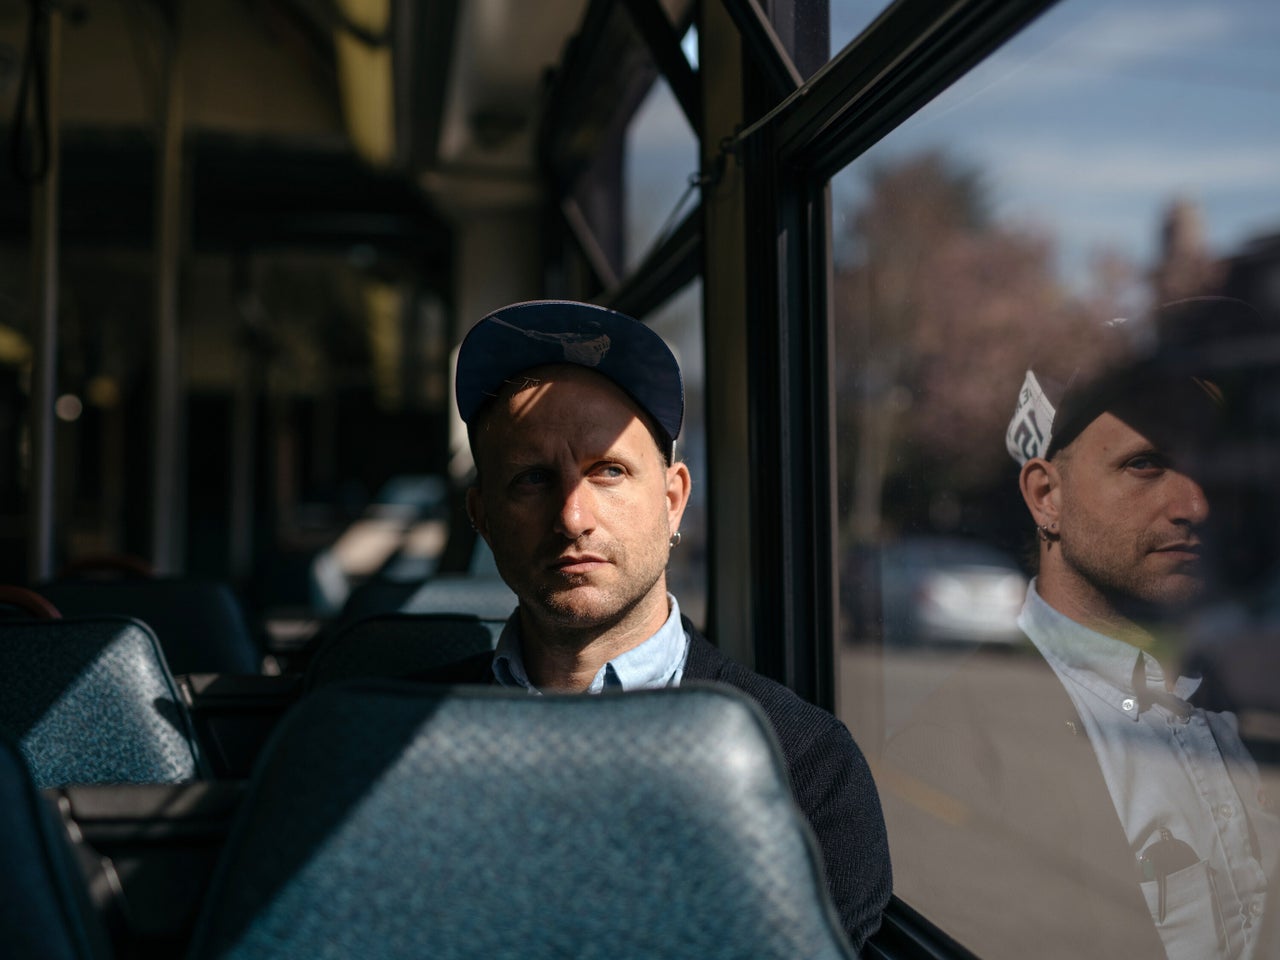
point(166, 540)
point(44, 235)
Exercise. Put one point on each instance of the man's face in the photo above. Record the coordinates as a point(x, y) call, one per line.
point(576, 500)
point(1130, 513)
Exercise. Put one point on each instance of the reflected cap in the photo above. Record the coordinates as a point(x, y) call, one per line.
point(1061, 395)
point(536, 333)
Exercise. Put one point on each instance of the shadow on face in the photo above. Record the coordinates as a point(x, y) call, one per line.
point(1191, 422)
point(523, 396)
point(575, 497)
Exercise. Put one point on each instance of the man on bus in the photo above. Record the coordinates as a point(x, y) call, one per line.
point(1124, 785)
point(572, 413)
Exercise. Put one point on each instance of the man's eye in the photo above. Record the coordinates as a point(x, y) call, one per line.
point(533, 478)
point(1145, 464)
point(610, 471)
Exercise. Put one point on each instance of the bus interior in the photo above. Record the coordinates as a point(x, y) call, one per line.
point(241, 240)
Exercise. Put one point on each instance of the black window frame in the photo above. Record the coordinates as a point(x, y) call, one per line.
point(912, 52)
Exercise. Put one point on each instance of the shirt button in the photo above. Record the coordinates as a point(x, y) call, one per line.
point(1226, 811)
point(1255, 909)
point(1127, 704)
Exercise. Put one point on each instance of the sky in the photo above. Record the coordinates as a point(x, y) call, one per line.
point(1094, 118)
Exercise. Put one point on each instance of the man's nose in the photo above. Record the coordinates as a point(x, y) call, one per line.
point(577, 509)
point(1190, 505)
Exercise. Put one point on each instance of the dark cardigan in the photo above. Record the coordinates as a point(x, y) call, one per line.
point(829, 777)
point(832, 786)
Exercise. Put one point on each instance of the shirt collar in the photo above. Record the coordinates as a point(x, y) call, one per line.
point(1110, 669)
point(657, 662)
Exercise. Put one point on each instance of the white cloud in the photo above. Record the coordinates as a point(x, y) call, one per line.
point(1116, 39)
point(1145, 166)
point(1093, 51)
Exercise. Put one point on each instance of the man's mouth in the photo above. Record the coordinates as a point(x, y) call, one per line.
point(578, 563)
point(1181, 549)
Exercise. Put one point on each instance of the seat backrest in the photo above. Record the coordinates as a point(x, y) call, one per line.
point(400, 645)
point(200, 623)
point(22, 604)
point(90, 700)
point(375, 596)
point(44, 905)
point(486, 597)
point(482, 562)
point(397, 820)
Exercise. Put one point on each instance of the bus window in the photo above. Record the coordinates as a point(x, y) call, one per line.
point(1094, 773)
point(680, 323)
point(661, 154)
point(849, 18)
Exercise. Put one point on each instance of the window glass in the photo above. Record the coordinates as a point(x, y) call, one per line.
point(849, 18)
point(680, 323)
point(661, 155)
point(689, 45)
point(1084, 763)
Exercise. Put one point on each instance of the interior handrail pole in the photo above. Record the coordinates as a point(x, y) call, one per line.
point(166, 525)
point(44, 372)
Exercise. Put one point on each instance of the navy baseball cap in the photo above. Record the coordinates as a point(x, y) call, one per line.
point(536, 333)
point(1063, 394)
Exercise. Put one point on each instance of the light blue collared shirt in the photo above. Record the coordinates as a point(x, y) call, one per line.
point(658, 662)
point(1171, 766)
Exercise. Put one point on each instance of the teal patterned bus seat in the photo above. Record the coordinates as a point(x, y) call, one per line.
point(391, 821)
point(91, 700)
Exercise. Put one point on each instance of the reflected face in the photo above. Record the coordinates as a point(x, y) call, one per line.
point(1131, 518)
point(576, 500)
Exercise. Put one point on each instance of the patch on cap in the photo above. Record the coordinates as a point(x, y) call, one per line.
point(1066, 389)
point(584, 349)
point(1031, 429)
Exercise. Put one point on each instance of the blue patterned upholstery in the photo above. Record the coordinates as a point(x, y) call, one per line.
point(200, 623)
point(91, 701)
point(400, 645)
point(483, 596)
point(394, 820)
point(376, 595)
point(44, 906)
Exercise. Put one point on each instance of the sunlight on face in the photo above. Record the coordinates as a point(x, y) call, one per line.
point(576, 500)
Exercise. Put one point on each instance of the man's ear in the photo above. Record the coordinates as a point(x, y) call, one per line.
point(475, 511)
point(679, 483)
point(1041, 484)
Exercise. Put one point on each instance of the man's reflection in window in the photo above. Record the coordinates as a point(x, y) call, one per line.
point(1121, 805)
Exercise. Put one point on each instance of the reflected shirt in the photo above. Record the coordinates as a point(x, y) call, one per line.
point(1173, 770)
point(658, 662)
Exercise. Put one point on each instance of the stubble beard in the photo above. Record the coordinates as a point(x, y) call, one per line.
point(578, 607)
point(1132, 588)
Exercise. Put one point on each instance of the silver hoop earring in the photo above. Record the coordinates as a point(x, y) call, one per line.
point(675, 539)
